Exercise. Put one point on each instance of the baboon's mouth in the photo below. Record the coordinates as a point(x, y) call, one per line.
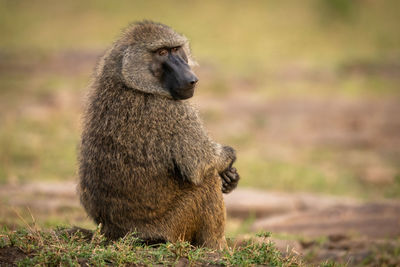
point(189, 87)
point(183, 93)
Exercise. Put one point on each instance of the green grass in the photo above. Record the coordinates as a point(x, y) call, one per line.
point(33, 148)
point(61, 248)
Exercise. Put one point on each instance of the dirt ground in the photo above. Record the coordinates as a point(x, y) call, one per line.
point(10, 255)
point(315, 226)
point(320, 227)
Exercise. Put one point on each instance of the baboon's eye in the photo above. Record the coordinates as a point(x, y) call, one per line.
point(163, 52)
point(174, 49)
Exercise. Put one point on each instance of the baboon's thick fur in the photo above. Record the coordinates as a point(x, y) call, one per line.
point(146, 163)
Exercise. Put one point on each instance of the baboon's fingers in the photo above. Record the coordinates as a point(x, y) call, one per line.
point(233, 176)
point(230, 179)
point(226, 189)
point(225, 177)
point(236, 177)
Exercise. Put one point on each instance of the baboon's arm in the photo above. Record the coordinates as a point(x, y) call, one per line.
point(225, 157)
point(193, 163)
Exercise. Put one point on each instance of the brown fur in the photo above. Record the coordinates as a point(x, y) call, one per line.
point(146, 163)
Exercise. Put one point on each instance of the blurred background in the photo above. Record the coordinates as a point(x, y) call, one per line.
point(306, 91)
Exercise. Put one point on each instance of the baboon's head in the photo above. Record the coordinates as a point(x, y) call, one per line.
point(157, 60)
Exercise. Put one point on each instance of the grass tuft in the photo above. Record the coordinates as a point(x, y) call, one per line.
point(62, 247)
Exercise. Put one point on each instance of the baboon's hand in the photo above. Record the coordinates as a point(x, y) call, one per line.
point(230, 179)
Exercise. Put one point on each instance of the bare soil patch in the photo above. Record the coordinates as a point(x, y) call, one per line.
point(321, 227)
point(10, 255)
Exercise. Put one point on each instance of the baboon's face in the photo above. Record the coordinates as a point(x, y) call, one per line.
point(156, 60)
point(170, 65)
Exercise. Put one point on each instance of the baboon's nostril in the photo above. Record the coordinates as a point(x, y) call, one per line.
point(194, 81)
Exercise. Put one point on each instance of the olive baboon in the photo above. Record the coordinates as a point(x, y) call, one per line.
point(146, 163)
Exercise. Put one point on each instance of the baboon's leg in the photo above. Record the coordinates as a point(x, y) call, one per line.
point(211, 229)
point(113, 232)
point(211, 233)
point(197, 216)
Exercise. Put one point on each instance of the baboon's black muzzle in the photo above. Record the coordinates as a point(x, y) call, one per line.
point(178, 77)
